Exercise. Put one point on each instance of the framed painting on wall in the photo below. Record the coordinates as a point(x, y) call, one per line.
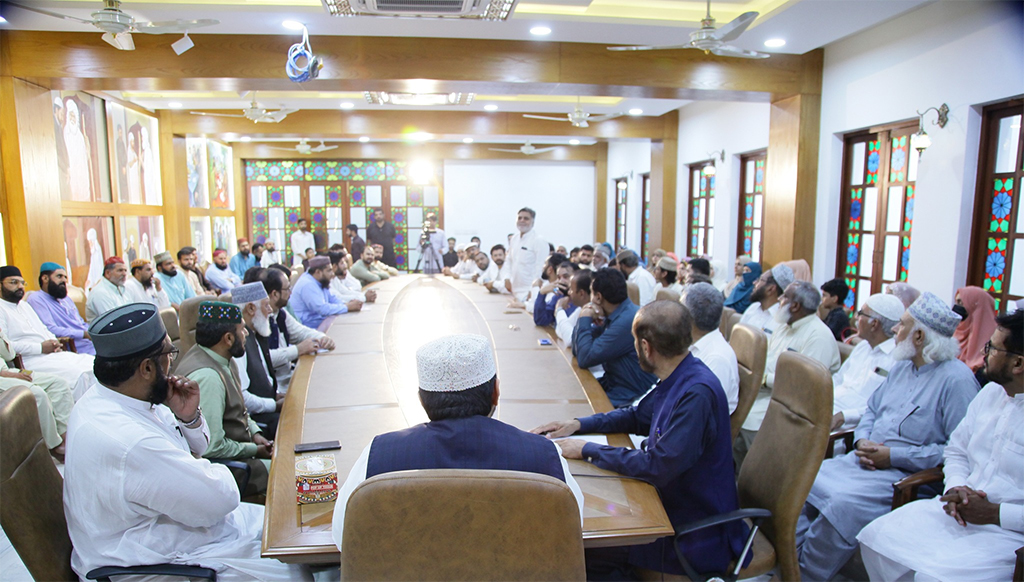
point(141, 237)
point(88, 241)
point(134, 156)
point(80, 136)
point(202, 239)
point(195, 163)
point(224, 234)
point(220, 182)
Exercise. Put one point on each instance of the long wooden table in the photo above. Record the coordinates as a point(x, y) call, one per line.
point(367, 386)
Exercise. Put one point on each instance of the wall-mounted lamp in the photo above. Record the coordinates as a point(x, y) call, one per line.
point(710, 169)
point(621, 184)
point(920, 140)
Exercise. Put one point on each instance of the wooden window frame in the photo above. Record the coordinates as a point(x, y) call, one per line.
point(621, 212)
point(762, 156)
point(693, 201)
point(645, 216)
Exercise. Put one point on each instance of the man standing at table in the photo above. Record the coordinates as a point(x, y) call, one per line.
point(301, 240)
point(458, 388)
point(687, 455)
point(527, 251)
point(56, 310)
point(382, 232)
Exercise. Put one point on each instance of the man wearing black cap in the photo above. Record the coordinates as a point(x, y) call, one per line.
point(313, 301)
point(135, 491)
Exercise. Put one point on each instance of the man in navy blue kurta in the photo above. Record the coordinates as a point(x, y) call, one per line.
point(687, 454)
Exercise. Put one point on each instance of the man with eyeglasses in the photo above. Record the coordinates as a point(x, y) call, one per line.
point(971, 532)
point(288, 338)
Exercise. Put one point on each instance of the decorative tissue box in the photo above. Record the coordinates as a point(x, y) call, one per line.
point(316, 479)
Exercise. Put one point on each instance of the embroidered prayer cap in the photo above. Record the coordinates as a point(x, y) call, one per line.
point(242, 240)
point(9, 271)
point(455, 363)
point(886, 305)
point(248, 293)
point(139, 263)
point(783, 275)
point(113, 261)
point(666, 264)
point(127, 331)
point(162, 258)
point(49, 267)
point(934, 313)
point(219, 252)
point(219, 312)
point(318, 262)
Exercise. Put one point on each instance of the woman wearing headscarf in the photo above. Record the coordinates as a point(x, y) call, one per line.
point(977, 328)
point(904, 292)
point(741, 261)
point(719, 275)
point(801, 270)
point(739, 299)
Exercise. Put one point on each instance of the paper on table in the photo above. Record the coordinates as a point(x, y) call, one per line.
point(598, 439)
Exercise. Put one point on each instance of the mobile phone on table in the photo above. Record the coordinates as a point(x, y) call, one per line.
point(320, 446)
point(544, 342)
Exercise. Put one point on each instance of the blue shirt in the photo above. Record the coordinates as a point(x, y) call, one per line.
point(687, 456)
point(544, 308)
point(240, 263)
point(312, 302)
point(225, 280)
point(177, 287)
point(611, 345)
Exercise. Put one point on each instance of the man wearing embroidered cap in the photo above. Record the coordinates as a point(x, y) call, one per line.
point(908, 420)
point(143, 287)
point(312, 299)
point(109, 292)
point(256, 374)
point(220, 337)
point(458, 388)
point(56, 310)
point(135, 490)
point(219, 276)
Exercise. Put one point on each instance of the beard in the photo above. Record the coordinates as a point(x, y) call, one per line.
point(224, 268)
point(12, 296)
point(57, 291)
point(523, 229)
point(170, 271)
point(782, 316)
point(904, 351)
point(1000, 376)
point(147, 283)
point(160, 388)
point(261, 324)
point(645, 364)
point(238, 348)
point(758, 294)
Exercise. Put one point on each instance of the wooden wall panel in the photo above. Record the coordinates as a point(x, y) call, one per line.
point(601, 193)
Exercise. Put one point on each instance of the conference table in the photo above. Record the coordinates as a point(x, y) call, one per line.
point(368, 386)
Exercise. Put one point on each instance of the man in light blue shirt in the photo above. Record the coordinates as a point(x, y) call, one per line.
point(244, 260)
point(219, 276)
point(175, 284)
point(312, 299)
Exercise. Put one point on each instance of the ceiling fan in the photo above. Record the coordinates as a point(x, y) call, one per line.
point(527, 149)
point(304, 148)
point(254, 113)
point(710, 39)
point(118, 26)
point(578, 117)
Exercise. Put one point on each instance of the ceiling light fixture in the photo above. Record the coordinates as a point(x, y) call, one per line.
point(775, 42)
point(920, 140)
point(364, 139)
point(3, 20)
point(467, 140)
point(245, 138)
point(490, 107)
point(182, 44)
point(347, 105)
point(574, 142)
point(710, 169)
point(540, 31)
point(421, 171)
point(174, 105)
point(636, 111)
point(420, 136)
point(293, 25)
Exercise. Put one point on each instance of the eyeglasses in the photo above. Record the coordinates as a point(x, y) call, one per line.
point(989, 347)
point(173, 353)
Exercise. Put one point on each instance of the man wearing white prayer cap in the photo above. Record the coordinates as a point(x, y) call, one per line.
point(458, 388)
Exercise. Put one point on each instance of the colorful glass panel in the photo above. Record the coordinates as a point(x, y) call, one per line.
point(356, 195)
point(260, 225)
point(275, 196)
point(995, 265)
point(898, 158)
point(1002, 205)
point(335, 196)
point(908, 223)
point(874, 161)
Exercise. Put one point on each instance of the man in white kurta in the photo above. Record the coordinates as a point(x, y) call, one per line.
point(765, 299)
point(301, 240)
point(527, 252)
point(143, 287)
point(629, 264)
point(270, 254)
point(976, 536)
point(136, 491)
point(709, 346)
point(52, 394)
point(497, 285)
point(109, 292)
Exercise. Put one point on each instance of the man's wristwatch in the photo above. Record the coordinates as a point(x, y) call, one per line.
point(195, 422)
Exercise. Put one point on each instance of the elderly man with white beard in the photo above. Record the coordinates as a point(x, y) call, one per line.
point(258, 381)
point(909, 419)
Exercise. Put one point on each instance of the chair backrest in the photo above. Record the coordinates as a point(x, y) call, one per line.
point(460, 524)
point(784, 458)
point(32, 513)
point(170, 319)
point(845, 350)
point(726, 324)
point(633, 291)
point(295, 276)
point(751, 348)
point(77, 294)
point(188, 313)
point(665, 293)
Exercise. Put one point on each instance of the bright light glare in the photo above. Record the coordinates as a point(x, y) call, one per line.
point(574, 142)
point(421, 171)
point(540, 31)
point(364, 139)
point(347, 105)
point(467, 140)
point(293, 25)
point(490, 107)
point(245, 138)
point(420, 136)
point(774, 42)
point(636, 111)
point(174, 105)
point(3, 20)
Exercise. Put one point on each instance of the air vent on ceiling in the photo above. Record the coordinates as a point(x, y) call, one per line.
point(466, 9)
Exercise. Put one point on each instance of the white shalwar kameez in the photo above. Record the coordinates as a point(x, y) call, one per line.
point(134, 494)
point(526, 255)
point(985, 453)
point(27, 333)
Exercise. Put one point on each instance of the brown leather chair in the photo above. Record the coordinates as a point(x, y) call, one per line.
point(725, 326)
point(32, 513)
point(1018, 571)
point(633, 291)
point(188, 313)
point(845, 350)
point(170, 319)
point(734, 320)
point(751, 347)
point(460, 524)
point(77, 294)
point(666, 294)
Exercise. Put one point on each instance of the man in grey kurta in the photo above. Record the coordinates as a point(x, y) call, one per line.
point(904, 430)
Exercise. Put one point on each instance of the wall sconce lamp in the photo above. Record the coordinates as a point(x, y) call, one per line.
point(920, 140)
point(710, 169)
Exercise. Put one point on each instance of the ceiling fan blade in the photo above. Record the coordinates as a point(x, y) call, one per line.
point(548, 117)
point(122, 41)
point(604, 117)
point(731, 51)
point(515, 151)
point(179, 25)
point(282, 149)
point(734, 29)
point(215, 114)
point(48, 13)
point(582, 123)
point(649, 48)
point(323, 148)
point(542, 150)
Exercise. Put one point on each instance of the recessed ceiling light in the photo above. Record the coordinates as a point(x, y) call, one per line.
point(293, 25)
point(636, 111)
point(364, 139)
point(467, 140)
point(3, 20)
point(174, 105)
point(420, 136)
point(574, 142)
point(347, 105)
point(245, 138)
point(490, 107)
point(540, 31)
point(774, 42)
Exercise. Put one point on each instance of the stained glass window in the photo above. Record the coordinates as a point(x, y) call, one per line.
point(997, 254)
point(621, 194)
point(877, 216)
point(700, 236)
point(751, 214)
point(645, 220)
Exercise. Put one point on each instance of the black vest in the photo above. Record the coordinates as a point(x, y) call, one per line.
point(262, 381)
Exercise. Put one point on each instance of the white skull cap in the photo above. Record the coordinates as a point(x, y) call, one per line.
point(454, 363)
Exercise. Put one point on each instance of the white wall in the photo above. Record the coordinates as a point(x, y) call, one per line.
point(627, 159)
point(738, 128)
point(965, 54)
point(482, 197)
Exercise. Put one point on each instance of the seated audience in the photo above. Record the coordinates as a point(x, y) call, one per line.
point(466, 264)
point(560, 249)
point(601, 257)
point(187, 258)
point(109, 292)
point(313, 301)
point(368, 269)
point(270, 254)
point(656, 255)
point(176, 284)
point(870, 361)
point(451, 256)
point(549, 272)
point(288, 338)
point(629, 264)
point(497, 284)
point(574, 255)
point(143, 287)
point(567, 310)
point(907, 423)
point(685, 455)
point(801, 270)
point(719, 274)
point(741, 262)
point(257, 251)
point(739, 299)
point(51, 392)
point(556, 289)
point(904, 292)
point(458, 388)
point(971, 532)
point(136, 490)
point(977, 327)
point(665, 276)
point(343, 285)
point(486, 270)
point(244, 260)
point(701, 266)
point(586, 257)
point(604, 336)
point(765, 299)
point(475, 241)
point(831, 311)
point(709, 345)
point(56, 310)
point(378, 255)
point(220, 336)
point(222, 279)
point(256, 375)
point(798, 329)
point(39, 348)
